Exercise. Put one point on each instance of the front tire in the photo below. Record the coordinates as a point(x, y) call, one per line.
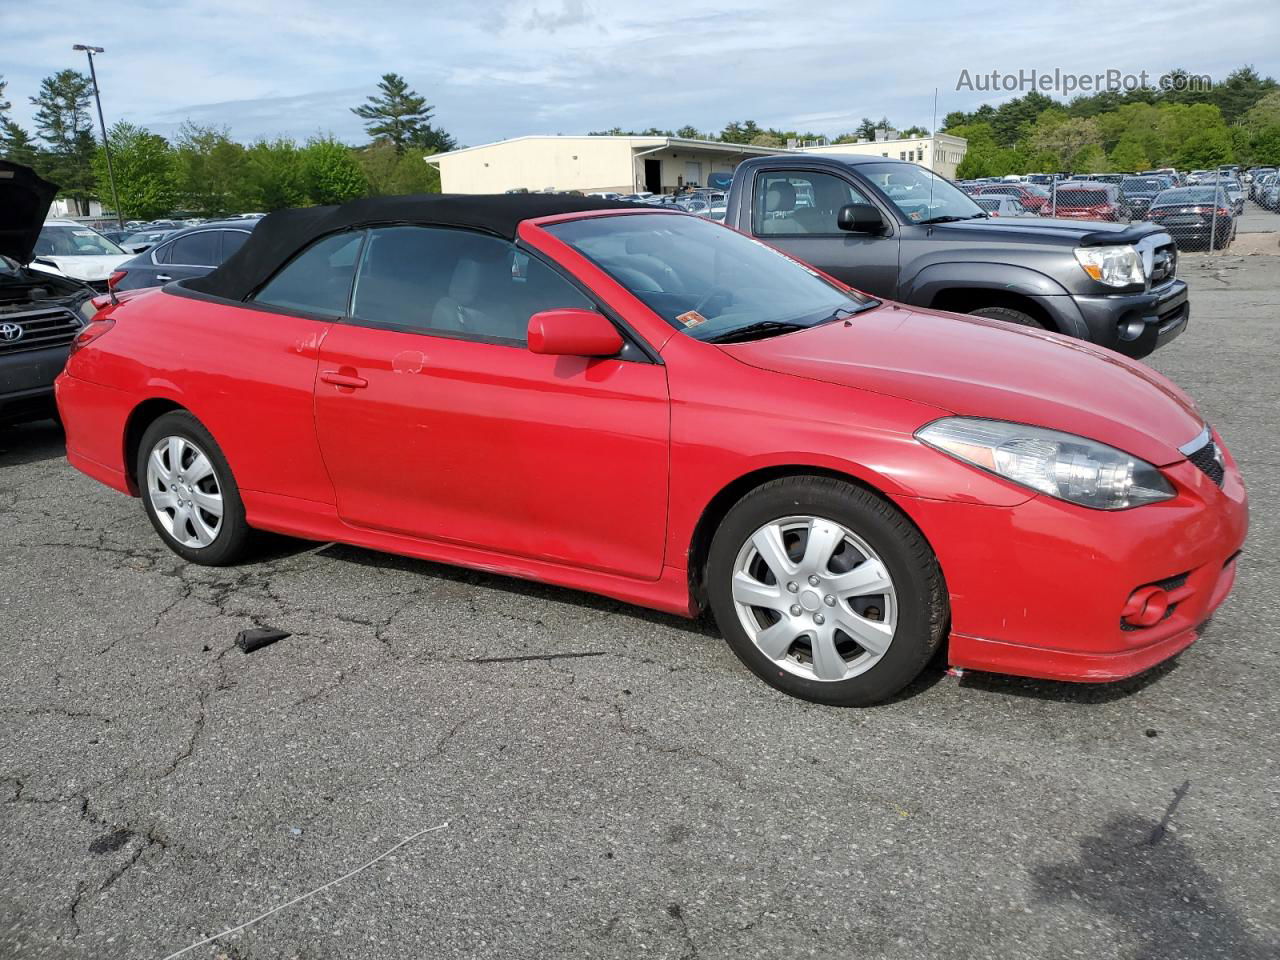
point(825, 591)
point(189, 493)
point(1008, 315)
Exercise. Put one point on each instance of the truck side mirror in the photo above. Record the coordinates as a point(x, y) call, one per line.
point(860, 218)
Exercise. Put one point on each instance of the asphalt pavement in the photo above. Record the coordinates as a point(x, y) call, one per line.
point(611, 782)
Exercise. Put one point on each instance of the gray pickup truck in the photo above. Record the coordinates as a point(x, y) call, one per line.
point(895, 230)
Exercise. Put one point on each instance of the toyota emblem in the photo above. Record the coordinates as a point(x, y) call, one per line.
point(10, 332)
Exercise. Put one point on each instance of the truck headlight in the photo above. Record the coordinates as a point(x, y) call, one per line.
point(1062, 465)
point(1119, 266)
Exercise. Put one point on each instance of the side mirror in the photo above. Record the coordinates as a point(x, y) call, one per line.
point(860, 218)
point(139, 247)
point(573, 332)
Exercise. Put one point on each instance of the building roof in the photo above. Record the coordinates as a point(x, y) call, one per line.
point(637, 141)
point(281, 235)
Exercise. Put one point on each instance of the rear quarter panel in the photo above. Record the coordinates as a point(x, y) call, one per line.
point(246, 374)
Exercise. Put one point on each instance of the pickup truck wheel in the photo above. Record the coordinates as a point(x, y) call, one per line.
point(1008, 315)
point(825, 591)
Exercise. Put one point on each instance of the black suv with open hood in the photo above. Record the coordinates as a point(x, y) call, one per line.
point(40, 313)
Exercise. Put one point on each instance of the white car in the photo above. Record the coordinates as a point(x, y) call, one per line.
point(70, 249)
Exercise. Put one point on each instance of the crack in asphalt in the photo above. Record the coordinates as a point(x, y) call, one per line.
point(532, 658)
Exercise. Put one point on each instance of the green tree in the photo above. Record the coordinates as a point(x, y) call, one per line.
point(17, 146)
point(1206, 148)
point(330, 173)
point(744, 132)
point(1067, 138)
point(64, 123)
point(1266, 147)
point(1239, 92)
point(913, 132)
point(401, 116)
point(1129, 156)
point(392, 174)
point(273, 173)
point(146, 176)
point(688, 132)
point(4, 104)
point(211, 171)
point(1014, 118)
point(1265, 113)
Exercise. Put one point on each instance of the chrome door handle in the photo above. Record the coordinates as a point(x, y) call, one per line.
point(163, 277)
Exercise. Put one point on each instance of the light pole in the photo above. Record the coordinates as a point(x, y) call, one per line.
point(106, 146)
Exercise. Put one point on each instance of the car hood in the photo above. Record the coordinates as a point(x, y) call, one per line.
point(1048, 230)
point(24, 203)
point(82, 267)
point(976, 367)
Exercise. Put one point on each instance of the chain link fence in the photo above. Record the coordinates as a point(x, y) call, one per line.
point(1200, 209)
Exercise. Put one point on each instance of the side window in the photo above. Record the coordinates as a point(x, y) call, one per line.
point(439, 280)
point(195, 250)
point(161, 253)
point(797, 202)
point(318, 280)
point(232, 240)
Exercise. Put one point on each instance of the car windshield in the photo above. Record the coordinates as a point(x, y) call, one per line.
point(919, 194)
point(1185, 195)
point(708, 281)
point(57, 240)
point(1142, 185)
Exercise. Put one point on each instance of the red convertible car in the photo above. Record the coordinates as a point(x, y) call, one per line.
point(648, 405)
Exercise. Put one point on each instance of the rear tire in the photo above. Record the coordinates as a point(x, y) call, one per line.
point(847, 622)
point(1008, 315)
point(189, 493)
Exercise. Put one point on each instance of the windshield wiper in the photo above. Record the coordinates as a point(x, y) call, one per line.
point(949, 218)
point(752, 331)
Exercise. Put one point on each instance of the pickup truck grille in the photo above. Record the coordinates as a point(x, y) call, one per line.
point(36, 330)
point(1164, 264)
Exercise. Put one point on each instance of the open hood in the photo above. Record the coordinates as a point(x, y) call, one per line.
point(24, 203)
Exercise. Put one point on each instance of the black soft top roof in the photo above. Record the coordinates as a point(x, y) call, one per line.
point(279, 236)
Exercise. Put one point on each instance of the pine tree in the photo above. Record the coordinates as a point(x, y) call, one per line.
point(16, 145)
point(66, 126)
point(401, 116)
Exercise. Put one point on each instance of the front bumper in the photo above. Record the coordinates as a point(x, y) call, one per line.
point(1135, 324)
point(1037, 589)
point(26, 382)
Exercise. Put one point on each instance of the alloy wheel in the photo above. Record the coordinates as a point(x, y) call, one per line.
point(815, 598)
point(184, 491)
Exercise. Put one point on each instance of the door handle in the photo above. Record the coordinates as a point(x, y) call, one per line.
point(343, 380)
point(163, 277)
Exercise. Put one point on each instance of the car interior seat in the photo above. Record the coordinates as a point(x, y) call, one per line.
point(780, 208)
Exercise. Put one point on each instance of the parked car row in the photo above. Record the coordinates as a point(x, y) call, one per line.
point(1199, 209)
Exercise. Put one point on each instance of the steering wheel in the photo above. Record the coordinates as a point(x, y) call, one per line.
point(703, 306)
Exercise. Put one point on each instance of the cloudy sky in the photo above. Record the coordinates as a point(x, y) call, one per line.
point(502, 68)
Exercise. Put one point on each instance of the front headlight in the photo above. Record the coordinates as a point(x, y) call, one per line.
point(1115, 266)
point(1062, 465)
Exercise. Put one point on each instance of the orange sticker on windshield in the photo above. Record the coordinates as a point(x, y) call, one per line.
point(692, 318)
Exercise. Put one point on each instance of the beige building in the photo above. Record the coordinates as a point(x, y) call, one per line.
point(590, 164)
point(941, 152)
